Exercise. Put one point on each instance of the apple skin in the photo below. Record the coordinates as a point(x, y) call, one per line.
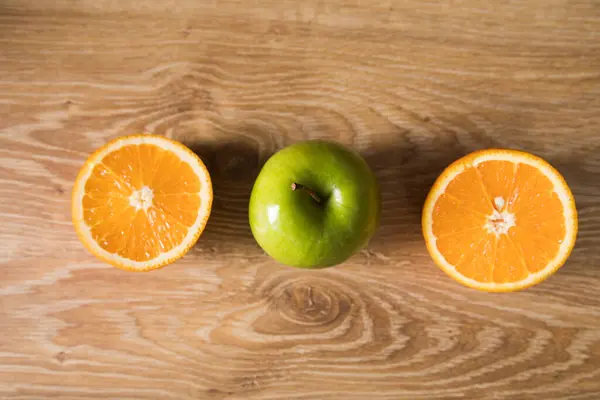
point(295, 229)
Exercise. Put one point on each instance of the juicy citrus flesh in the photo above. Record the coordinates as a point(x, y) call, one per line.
point(140, 202)
point(500, 220)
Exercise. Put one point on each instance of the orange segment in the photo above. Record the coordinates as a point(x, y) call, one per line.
point(500, 220)
point(535, 251)
point(167, 228)
point(478, 250)
point(124, 163)
point(179, 206)
point(478, 260)
point(149, 155)
point(531, 188)
point(141, 202)
point(498, 177)
point(454, 216)
point(468, 189)
point(534, 217)
point(509, 265)
point(103, 183)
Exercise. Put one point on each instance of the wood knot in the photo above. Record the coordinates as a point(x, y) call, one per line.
point(186, 92)
point(185, 33)
point(277, 28)
point(61, 357)
point(310, 304)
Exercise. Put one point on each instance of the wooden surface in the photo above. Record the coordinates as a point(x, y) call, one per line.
point(411, 84)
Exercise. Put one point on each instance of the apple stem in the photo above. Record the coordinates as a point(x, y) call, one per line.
point(297, 186)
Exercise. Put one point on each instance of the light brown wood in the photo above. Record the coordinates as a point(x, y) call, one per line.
point(411, 84)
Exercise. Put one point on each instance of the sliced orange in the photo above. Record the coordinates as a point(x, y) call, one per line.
point(141, 202)
point(500, 220)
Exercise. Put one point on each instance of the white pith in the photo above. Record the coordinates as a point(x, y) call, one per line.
point(499, 203)
point(143, 199)
point(500, 221)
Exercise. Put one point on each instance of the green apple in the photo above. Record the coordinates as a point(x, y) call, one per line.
point(314, 204)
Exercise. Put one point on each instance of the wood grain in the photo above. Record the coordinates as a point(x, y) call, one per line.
point(412, 85)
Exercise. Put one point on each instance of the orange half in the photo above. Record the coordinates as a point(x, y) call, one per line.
point(141, 202)
point(500, 220)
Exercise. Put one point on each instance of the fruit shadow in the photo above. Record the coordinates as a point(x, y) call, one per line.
point(405, 172)
point(233, 166)
point(577, 167)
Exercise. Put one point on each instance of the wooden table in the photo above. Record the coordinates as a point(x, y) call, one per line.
point(411, 84)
